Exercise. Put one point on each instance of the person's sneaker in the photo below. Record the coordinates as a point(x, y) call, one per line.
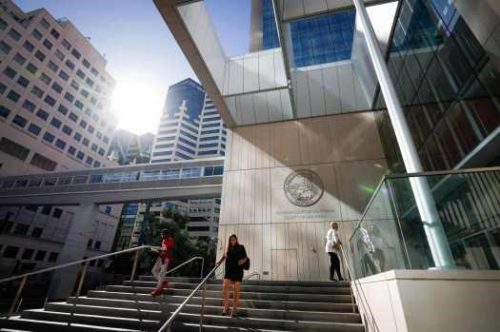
point(156, 292)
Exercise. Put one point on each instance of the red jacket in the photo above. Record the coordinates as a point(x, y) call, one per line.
point(167, 249)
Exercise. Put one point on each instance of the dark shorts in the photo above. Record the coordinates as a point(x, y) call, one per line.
point(234, 276)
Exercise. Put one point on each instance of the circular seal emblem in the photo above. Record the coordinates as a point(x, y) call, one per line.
point(303, 188)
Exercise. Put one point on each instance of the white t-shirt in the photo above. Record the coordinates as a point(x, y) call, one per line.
point(332, 237)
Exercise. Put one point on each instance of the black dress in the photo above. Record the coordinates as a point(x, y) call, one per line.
point(234, 271)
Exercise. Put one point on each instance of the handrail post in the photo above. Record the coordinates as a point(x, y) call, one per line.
point(16, 298)
point(134, 267)
point(202, 266)
point(203, 306)
point(82, 278)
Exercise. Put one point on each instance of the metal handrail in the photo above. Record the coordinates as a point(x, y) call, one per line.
point(85, 262)
point(183, 304)
point(187, 262)
point(252, 274)
point(363, 301)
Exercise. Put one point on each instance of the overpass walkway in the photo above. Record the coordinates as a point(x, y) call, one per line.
point(122, 184)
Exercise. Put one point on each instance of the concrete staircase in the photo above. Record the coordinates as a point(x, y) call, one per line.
point(265, 306)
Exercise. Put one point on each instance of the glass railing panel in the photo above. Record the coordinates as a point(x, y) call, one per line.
point(391, 234)
point(377, 244)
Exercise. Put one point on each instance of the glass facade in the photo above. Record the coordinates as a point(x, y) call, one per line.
point(446, 82)
point(187, 91)
point(269, 33)
point(316, 40)
point(322, 39)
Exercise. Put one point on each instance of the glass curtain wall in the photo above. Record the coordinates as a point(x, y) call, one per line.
point(447, 83)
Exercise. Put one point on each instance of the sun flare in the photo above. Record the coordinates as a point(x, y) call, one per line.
point(137, 107)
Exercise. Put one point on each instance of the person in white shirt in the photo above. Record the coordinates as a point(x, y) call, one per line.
point(332, 248)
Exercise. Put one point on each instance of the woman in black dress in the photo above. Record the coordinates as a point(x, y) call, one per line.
point(235, 256)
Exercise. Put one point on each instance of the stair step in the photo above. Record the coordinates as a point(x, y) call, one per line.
point(106, 307)
point(277, 324)
point(99, 320)
point(256, 282)
point(255, 287)
point(217, 301)
point(195, 327)
point(245, 295)
point(16, 323)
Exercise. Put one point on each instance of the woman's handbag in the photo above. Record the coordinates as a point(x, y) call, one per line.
point(246, 265)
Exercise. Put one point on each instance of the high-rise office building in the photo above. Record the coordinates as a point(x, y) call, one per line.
point(127, 148)
point(190, 128)
point(54, 116)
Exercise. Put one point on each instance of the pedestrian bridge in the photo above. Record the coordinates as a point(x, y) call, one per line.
point(133, 183)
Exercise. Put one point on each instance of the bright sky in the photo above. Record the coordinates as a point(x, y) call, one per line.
point(142, 55)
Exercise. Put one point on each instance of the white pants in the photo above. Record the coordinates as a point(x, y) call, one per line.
point(159, 270)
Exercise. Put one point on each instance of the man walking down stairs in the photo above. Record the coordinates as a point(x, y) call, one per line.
point(265, 306)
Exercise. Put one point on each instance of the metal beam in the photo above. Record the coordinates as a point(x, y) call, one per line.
point(433, 227)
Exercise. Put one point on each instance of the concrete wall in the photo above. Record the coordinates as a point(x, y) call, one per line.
point(432, 301)
point(285, 241)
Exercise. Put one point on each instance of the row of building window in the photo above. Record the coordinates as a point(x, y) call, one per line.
point(13, 252)
point(38, 92)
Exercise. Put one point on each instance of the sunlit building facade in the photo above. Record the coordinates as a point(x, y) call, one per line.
point(54, 116)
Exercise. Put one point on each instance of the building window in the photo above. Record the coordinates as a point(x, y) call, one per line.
point(62, 109)
point(85, 141)
point(14, 34)
point(45, 78)
point(67, 130)
point(57, 213)
point(56, 123)
point(4, 48)
point(80, 155)
point(73, 117)
point(76, 54)
point(28, 46)
point(63, 75)
point(40, 56)
point(19, 59)
point(80, 74)
point(48, 137)
point(34, 129)
point(89, 243)
point(77, 137)
point(43, 162)
point(56, 87)
point(89, 82)
point(46, 210)
point(72, 150)
point(97, 245)
point(6, 225)
point(3, 25)
point(70, 64)
point(27, 253)
point(21, 229)
point(36, 91)
point(23, 81)
point(66, 44)
point(94, 72)
point(59, 55)
point(42, 114)
point(49, 100)
point(32, 68)
point(19, 121)
point(85, 63)
point(37, 34)
point(47, 44)
point(16, 150)
point(60, 144)
point(9, 72)
point(10, 252)
point(14, 96)
point(53, 257)
point(101, 152)
point(55, 33)
point(52, 66)
point(79, 104)
point(40, 255)
point(4, 111)
point(89, 160)
point(44, 24)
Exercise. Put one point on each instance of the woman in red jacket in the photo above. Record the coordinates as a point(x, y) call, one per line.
point(163, 261)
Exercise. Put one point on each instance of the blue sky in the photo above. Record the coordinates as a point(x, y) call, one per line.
point(142, 54)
